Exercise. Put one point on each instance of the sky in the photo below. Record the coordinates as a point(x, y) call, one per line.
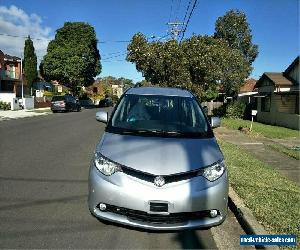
point(274, 24)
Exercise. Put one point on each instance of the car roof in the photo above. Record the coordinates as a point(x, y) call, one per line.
point(159, 91)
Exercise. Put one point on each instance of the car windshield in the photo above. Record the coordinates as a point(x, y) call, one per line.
point(167, 115)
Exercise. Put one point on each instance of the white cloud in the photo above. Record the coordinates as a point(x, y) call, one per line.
point(16, 22)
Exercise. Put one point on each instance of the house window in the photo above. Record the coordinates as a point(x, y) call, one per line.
point(11, 71)
point(265, 104)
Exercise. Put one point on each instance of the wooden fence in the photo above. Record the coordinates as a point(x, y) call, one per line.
point(211, 106)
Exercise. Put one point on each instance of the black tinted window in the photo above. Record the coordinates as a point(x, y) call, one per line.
point(170, 114)
point(58, 98)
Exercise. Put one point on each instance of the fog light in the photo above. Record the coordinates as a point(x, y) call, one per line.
point(213, 213)
point(102, 206)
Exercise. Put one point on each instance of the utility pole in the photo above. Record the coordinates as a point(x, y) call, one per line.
point(22, 77)
point(175, 29)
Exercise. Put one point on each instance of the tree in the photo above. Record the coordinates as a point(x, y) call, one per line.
point(200, 63)
point(72, 57)
point(160, 63)
point(144, 83)
point(126, 83)
point(29, 63)
point(234, 28)
point(212, 64)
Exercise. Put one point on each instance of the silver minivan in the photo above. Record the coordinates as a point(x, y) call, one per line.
point(158, 165)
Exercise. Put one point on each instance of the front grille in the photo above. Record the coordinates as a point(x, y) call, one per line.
point(168, 178)
point(158, 207)
point(172, 218)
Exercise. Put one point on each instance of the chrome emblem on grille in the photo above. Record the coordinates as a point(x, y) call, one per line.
point(159, 181)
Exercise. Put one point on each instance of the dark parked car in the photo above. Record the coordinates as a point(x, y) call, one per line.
point(87, 103)
point(107, 102)
point(64, 103)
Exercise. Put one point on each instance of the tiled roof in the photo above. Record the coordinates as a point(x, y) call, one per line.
point(248, 86)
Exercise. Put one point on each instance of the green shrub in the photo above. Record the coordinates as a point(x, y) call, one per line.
point(235, 110)
point(48, 93)
point(220, 111)
point(4, 105)
point(115, 98)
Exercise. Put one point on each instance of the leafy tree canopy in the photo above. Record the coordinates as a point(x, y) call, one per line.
point(108, 81)
point(161, 63)
point(200, 63)
point(72, 57)
point(234, 28)
point(30, 62)
point(212, 64)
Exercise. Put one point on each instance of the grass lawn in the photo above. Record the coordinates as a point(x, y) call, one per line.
point(261, 129)
point(273, 199)
point(290, 152)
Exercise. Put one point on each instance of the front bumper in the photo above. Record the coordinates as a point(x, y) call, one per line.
point(188, 201)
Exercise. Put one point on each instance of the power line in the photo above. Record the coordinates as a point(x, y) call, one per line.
point(121, 41)
point(187, 9)
point(121, 60)
point(113, 53)
point(33, 38)
point(177, 10)
point(124, 53)
point(161, 38)
point(189, 18)
point(46, 39)
point(171, 10)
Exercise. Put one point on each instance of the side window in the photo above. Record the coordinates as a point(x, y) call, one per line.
point(122, 111)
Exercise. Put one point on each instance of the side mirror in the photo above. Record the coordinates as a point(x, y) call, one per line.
point(102, 116)
point(215, 122)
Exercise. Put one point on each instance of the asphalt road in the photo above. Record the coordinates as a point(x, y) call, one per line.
point(43, 191)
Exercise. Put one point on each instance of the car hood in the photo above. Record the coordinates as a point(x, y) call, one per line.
point(159, 156)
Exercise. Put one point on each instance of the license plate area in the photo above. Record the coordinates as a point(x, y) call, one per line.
point(159, 207)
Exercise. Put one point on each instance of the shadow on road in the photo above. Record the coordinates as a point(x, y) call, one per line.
point(190, 240)
point(61, 229)
point(41, 180)
point(42, 202)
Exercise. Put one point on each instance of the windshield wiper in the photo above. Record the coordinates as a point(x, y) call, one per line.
point(162, 132)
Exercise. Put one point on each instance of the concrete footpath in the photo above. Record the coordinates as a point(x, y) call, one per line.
point(258, 147)
point(16, 114)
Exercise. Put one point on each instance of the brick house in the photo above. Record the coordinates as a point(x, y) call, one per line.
point(10, 75)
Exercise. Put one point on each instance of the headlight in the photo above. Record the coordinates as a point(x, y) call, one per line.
point(105, 166)
point(215, 171)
